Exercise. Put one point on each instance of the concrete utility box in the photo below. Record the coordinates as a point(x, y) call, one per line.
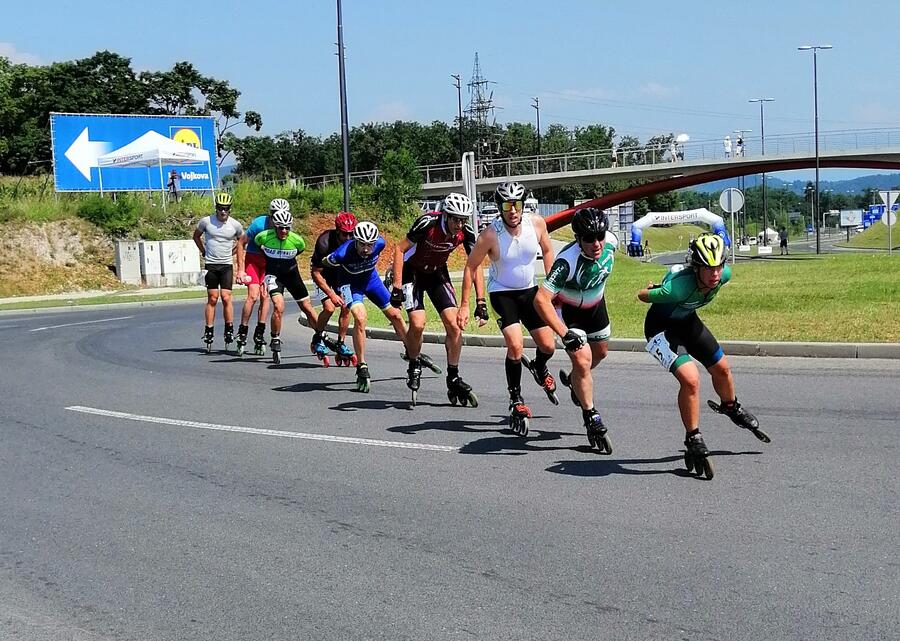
point(180, 263)
point(151, 265)
point(128, 262)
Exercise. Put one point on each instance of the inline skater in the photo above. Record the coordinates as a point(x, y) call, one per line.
point(281, 246)
point(420, 268)
point(675, 334)
point(252, 272)
point(512, 242)
point(215, 237)
point(325, 279)
point(355, 262)
point(576, 283)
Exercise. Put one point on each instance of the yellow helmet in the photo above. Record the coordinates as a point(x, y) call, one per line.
point(708, 250)
point(223, 200)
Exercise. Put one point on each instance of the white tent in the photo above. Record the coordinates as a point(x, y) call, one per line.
point(154, 150)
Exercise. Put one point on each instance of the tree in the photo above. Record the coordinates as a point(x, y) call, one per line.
point(399, 183)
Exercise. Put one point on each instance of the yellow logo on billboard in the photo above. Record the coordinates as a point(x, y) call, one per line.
point(188, 137)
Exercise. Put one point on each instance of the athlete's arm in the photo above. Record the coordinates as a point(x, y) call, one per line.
point(486, 240)
point(540, 226)
point(198, 233)
point(402, 247)
point(242, 256)
point(543, 303)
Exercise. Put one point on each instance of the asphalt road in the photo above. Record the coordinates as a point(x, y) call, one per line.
point(172, 521)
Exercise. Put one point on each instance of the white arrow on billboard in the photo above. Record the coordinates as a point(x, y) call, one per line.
point(83, 153)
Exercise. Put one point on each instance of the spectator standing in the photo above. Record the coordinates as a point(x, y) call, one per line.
point(727, 144)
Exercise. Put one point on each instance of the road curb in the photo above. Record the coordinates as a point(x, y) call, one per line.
point(735, 348)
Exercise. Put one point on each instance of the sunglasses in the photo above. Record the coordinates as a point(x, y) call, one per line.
point(591, 238)
point(509, 205)
point(282, 228)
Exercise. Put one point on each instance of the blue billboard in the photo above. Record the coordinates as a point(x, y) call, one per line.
point(80, 139)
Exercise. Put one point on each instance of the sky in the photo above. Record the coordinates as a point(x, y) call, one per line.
point(645, 68)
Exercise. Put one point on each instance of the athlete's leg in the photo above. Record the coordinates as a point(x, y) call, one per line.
point(453, 340)
point(324, 316)
point(360, 316)
point(249, 302)
point(264, 305)
point(227, 310)
point(396, 320)
point(343, 323)
point(545, 340)
point(688, 377)
point(515, 344)
point(722, 380)
point(598, 352)
point(582, 381)
point(277, 313)
point(414, 334)
point(212, 299)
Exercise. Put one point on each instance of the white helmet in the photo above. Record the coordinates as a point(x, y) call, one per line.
point(456, 205)
point(509, 191)
point(282, 218)
point(279, 204)
point(365, 232)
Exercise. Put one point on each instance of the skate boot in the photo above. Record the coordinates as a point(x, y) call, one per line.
point(596, 431)
point(740, 417)
point(275, 344)
point(259, 340)
point(229, 336)
point(208, 339)
point(458, 391)
point(362, 378)
point(566, 380)
point(696, 456)
point(241, 339)
point(544, 379)
point(414, 378)
point(518, 413)
point(318, 347)
point(343, 355)
point(425, 361)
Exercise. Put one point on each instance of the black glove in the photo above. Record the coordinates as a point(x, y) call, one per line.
point(397, 297)
point(481, 312)
point(574, 340)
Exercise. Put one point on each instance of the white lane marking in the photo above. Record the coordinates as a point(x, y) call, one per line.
point(261, 432)
point(102, 320)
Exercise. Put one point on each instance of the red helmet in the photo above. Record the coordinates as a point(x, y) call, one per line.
point(345, 221)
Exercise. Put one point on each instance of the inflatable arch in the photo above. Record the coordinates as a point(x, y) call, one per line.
point(702, 215)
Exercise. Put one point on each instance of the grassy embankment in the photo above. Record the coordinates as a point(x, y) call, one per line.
point(875, 237)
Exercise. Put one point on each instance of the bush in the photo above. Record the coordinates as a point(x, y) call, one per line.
point(399, 185)
point(117, 217)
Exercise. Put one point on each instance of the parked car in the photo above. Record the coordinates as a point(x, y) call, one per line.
point(487, 215)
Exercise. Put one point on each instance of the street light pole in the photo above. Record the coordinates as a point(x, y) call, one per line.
point(537, 107)
point(345, 130)
point(815, 49)
point(459, 110)
point(762, 141)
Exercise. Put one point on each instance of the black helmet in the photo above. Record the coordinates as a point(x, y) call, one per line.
point(590, 221)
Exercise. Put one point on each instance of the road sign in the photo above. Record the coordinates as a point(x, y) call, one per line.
point(79, 139)
point(731, 200)
point(889, 197)
point(889, 218)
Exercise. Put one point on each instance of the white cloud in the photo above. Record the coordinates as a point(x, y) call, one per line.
point(8, 50)
point(595, 93)
point(657, 90)
point(390, 112)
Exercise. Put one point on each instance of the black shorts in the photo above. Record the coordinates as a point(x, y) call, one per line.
point(685, 336)
point(288, 280)
point(516, 306)
point(219, 276)
point(593, 321)
point(436, 284)
point(784, 243)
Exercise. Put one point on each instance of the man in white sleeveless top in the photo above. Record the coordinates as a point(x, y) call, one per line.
point(512, 242)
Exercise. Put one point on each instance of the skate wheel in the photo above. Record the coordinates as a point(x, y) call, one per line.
point(464, 401)
point(706, 467)
point(353, 361)
point(524, 427)
point(714, 406)
point(590, 438)
point(451, 398)
point(553, 397)
point(325, 361)
point(604, 445)
point(688, 462)
point(762, 436)
point(473, 400)
point(414, 394)
point(276, 358)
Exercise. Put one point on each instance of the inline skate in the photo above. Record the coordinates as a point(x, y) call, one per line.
point(596, 432)
point(208, 339)
point(362, 378)
point(460, 392)
point(519, 414)
point(343, 355)
point(543, 379)
point(275, 344)
point(242, 339)
point(696, 456)
point(740, 417)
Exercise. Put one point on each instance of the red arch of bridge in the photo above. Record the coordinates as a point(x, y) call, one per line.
point(562, 218)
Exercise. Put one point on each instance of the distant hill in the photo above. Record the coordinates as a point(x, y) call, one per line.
point(854, 185)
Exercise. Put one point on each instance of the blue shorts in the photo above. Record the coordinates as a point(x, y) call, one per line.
point(373, 289)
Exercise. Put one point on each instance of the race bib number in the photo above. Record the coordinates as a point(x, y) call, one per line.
point(408, 302)
point(659, 348)
point(271, 283)
point(346, 294)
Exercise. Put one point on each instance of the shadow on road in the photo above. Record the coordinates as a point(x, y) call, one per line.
point(448, 426)
point(510, 444)
point(602, 466)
